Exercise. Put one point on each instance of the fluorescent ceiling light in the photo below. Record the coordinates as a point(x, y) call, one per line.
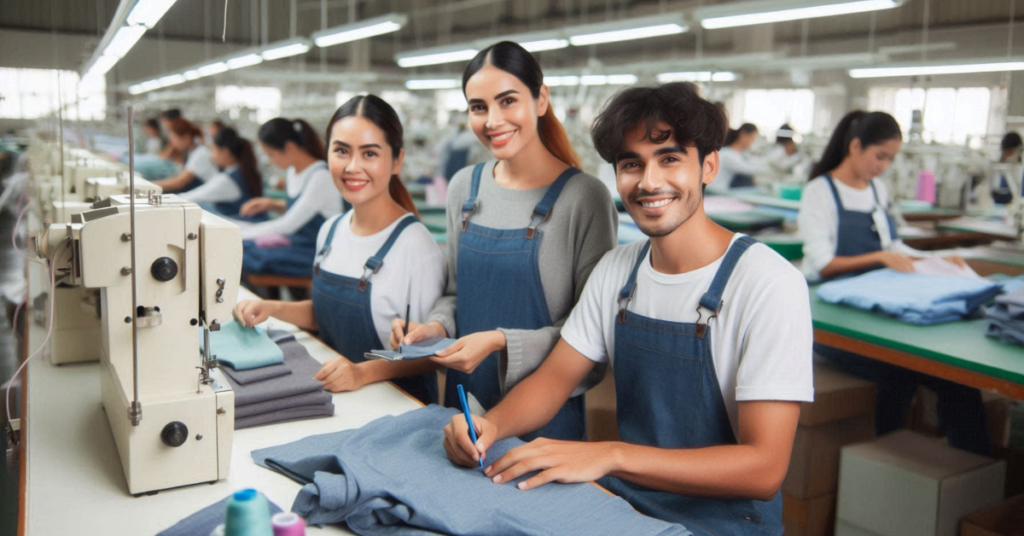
point(212, 68)
point(544, 44)
point(612, 36)
point(124, 40)
point(171, 80)
point(555, 81)
point(446, 83)
point(418, 59)
point(191, 75)
point(149, 12)
point(247, 60)
point(285, 49)
point(768, 11)
point(136, 89)
point(102, 66)
point(360, 30)
point(608, 80)
point(927, 70)
point(697, 76)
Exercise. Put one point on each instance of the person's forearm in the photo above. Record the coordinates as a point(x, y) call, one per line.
point(176, 183)
point(378, 370)
point(277, 205)
point(726, 471)
point(845, 265)
point(300, 314)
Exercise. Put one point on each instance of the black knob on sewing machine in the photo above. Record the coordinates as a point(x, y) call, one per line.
point(174, 434)
point(164, 269)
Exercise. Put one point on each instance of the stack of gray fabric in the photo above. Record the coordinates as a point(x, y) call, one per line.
point(278, 393)
point(1007, 317)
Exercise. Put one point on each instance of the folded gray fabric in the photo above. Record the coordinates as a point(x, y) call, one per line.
point(288, 414)
point(300, 381)
point(313, 398)
point(280, 335)
point(245, 377)
point(391, 477)
point(203, 522)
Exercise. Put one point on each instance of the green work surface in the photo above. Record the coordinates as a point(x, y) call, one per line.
point(755, 198)
point(748, 220)
point(976, 225)
point(790, 246)
point(960, 344)
point(274, 193)
point(930, 211)
point(436, 222)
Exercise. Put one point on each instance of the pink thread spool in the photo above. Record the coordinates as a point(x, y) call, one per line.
point(288, 524)
point(926, 187)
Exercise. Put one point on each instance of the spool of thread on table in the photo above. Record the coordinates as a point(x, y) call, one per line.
point(288, 524)
point(248, 514)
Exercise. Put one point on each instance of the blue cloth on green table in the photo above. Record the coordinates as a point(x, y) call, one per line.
point(426, 347)
point(243, 348)
point(391, 477)
point(1007, 317)
point(206, 520)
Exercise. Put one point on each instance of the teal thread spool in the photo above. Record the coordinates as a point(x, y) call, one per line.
point(248, 515)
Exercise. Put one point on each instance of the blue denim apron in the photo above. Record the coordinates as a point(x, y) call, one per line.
point(500, 286)
point(857, 233)
point(668, 397)
point(231, 208)
point(344, 314)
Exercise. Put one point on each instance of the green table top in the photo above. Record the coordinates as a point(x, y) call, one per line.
point(978, 225)
point(748, 220)
point(960, 344)
point(755, 198)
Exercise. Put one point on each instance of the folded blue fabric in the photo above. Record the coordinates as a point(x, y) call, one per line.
point(1007, 318)
point(391, 477)
point(425, 348)
point(913, 298)
point(206, 520)
point(243, 348)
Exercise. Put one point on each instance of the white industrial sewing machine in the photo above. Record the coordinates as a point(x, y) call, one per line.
point(163, 269)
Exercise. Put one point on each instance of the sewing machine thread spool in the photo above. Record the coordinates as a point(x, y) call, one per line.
point(248, 514)
point(288, 524)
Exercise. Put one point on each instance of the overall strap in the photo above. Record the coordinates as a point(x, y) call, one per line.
point(712, 299)
point(326, 249)
point(626, 294)
point(374, 263)
point(469, 207)
point(543, 209)
point(835, 192)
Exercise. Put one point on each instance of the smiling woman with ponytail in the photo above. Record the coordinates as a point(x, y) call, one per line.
point(524, 232)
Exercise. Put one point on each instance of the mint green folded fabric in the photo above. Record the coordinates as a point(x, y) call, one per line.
point(243, 348)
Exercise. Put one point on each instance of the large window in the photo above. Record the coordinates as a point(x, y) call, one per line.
point(263, 102)
point(950, 115)
point(769, 109)
point(33, 93)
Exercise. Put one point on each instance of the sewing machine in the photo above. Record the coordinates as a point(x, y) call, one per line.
point(165, 270)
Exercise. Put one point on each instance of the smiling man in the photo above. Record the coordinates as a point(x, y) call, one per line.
point(708, 334)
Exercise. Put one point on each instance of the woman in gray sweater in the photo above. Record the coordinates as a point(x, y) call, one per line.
point(524, 233)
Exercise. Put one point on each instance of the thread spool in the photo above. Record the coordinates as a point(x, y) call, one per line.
point(288, 524)
point(248, 514)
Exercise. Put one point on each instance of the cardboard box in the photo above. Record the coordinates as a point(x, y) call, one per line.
point(814, 465)
point(923, 416)
point(808, 517)
point(905, 484)
point(1003, 519)
point(837, 396)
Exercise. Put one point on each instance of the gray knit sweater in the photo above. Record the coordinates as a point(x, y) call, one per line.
point(581, 229)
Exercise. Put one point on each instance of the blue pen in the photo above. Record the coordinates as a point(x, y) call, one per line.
point(469, 419)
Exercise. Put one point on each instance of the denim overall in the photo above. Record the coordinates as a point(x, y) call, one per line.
point(231, 208)
point(857, 234)
point(500, 286)
point(668, 397)
point(344, 316)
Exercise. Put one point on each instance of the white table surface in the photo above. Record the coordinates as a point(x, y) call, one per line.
point(75, 484)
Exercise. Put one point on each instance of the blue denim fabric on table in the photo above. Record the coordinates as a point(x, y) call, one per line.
point(1007, 317)
point(391, 477)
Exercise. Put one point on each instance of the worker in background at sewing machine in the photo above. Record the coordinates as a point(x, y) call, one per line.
point(784, 157)
point(372, 261)
point(286, 245)
point(737, 171)
point(238, 181)
point(187, 139)
point(707, 409)
point(1010, 150)
point(524, 233)
point(154, 138)
point(847, 230)
point(169, 152)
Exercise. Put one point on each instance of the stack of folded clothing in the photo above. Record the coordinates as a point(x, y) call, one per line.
point(271, 374)
point(1007, 317)
point(912, 297)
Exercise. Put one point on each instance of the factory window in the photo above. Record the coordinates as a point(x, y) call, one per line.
point(259, 104)
point(967, 122)
point(32, 94)
point(771, 108)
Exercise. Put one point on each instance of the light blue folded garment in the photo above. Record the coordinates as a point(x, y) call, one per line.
point(243, 348)
point(426, 347)
point(913, 298)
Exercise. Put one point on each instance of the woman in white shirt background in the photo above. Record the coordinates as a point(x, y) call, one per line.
point(154, 138)
point(847, 230)
point(239, 179)
point(735, 169)
point(199, 166)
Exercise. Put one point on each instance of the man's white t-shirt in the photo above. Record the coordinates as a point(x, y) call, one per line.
point(761, 342)
point(413, 271)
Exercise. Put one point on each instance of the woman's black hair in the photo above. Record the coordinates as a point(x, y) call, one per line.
point(241, 149)
point(377, 111)
point(514, 59)
point(173, 113)
point(871, 128)
point(691, 119)
point(279, 131)
point(733, 135)
point(784, 135)
point(153, 124)
point(1011, 140)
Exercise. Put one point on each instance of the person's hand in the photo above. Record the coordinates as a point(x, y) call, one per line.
point(957, 260)
point(896, 261)
point(255, 206)
point(339, 375)
point(459, 446)
point(251, 312)
point(568, 462)
point(417, 332)
point(467, 353)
